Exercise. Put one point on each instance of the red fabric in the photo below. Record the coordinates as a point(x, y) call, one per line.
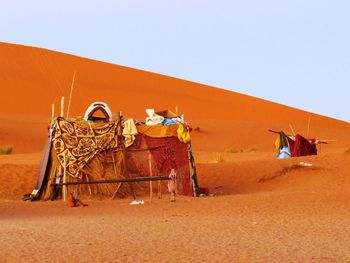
point(291, 147)
point(167, 153)
point(301, 146)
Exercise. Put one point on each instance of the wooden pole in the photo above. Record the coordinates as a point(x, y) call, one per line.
point(60, 175)
point(64, 189)
point(70, 95)
point(87, 179)
point(291, 128)
point(159, 189)
point(308, 127)
point(62, 107)
point(150, 174)
point(119, 180)
point(52, 112)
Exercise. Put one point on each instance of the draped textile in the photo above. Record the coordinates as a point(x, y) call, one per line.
point(168, 153)
point(165, 153)
point(303, 147)
point(77, 142)
point(158, 131)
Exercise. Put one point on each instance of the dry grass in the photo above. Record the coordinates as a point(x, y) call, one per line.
point(219, 158)
point(252, 149)
point(5, 150)
point(234, 150)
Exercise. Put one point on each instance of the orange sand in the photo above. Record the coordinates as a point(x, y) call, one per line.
point(32, 79)
point(263, 210)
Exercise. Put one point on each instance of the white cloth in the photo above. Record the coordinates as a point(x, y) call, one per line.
point(153, 118)
point(97, 104)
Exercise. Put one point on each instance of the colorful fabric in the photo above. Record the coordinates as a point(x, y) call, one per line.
point(158, 131)
point(168, 122)
point(76, 143)
point(169, 154)
point(277, 144)
point(183, 133)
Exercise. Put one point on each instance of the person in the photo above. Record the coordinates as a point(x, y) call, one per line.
point(172, 185)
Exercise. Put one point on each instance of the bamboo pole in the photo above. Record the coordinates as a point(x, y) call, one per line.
point(119, 180)
point(52, 112)
point(291, 128)
point(159, 189)
point(308, 127)
point(116, 191)
point(64, 189)
point(150, 174)
point(70, 95)
point(62, 107)
point(87, 179)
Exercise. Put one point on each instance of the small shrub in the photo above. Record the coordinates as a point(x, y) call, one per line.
point(252, 150)
point(5, 150)
point(233, 150)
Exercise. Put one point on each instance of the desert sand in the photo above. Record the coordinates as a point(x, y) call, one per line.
point(261, 209)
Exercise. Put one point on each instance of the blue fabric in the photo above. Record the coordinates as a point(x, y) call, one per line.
point(168, 122)
point(284, 153)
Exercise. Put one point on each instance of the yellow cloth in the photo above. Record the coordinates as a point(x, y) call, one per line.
point(183, 134)
point(129, 132)
point(158, 131)
point(278, 144)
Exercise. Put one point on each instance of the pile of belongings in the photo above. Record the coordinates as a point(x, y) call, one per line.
point(157, 124)
point(290, 146)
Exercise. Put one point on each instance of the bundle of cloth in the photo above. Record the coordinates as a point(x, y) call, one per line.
point(156, 119)
point(170, 118)
point(287, 146)
point(282, 146)
point(153, 118)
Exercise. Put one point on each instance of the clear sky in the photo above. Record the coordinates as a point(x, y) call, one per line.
point(294, 52)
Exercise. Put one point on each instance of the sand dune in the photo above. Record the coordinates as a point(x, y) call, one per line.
point(33, 78)
point(261, 209)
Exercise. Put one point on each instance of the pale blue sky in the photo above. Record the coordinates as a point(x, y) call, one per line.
point(292, 52)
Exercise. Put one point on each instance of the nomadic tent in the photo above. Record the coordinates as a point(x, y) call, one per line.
point(294, 146)
point(105, 157)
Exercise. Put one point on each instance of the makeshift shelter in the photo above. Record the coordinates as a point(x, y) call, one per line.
point(113, 157)
point(294, 146)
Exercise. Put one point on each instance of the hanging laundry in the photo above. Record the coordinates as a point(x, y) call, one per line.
point(183, 133)
point(129, 132)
